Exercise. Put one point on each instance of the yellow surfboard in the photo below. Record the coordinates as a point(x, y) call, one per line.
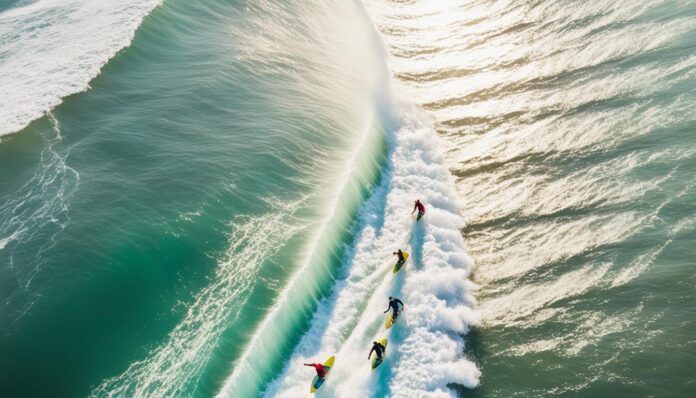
point(317, 382)
point(389, 321)
point(398, 266)
point(375, 360)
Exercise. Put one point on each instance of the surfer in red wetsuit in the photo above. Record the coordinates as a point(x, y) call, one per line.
point(321, 372)
point(420, 207)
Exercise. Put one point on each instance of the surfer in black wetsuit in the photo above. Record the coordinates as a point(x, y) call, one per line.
point(402, 259)
point(394, 306)
point(378, 349)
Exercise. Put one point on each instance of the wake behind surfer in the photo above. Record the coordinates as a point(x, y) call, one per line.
point(321, 371)
point(378, 349)
point(420, 207)
point(394, 306)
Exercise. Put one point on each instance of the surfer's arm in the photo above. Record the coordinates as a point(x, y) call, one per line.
point(370, 354)
point(400, 302)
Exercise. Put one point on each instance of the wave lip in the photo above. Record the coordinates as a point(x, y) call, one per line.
point(53, 48)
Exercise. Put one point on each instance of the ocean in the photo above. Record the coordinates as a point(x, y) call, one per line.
point(197, 198)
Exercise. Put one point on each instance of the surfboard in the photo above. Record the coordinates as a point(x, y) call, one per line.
point(398, 266)
point(317, 382)
point(375, 360)
point(390, 319)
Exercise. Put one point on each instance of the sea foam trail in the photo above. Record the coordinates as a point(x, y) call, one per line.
point(50, 49)
point(173, 367)
point(39, 209)
point(425, 353)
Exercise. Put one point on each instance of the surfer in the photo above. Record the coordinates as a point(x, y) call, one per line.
point(402, 259)
point(378, 349)
point(394, 305)
point(421, 209)
point(321, 372)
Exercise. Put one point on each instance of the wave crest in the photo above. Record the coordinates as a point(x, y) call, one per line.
point(52, 49)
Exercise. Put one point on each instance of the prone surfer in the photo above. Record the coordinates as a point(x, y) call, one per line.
point(394, 306)
point(421, 209)
point(321, 372)
point(378, 349)
point(400, 254)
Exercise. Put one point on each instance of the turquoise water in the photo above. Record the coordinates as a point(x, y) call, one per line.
point(199, 206)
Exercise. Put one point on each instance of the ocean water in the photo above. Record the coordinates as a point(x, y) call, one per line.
point(196, 198)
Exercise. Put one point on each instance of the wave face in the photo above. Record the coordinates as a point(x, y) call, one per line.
point(51, 49)
point(569, 129)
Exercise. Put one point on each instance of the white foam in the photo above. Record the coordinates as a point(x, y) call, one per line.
point(638, 266)
point(5, 241)
point(40, 207)
point(425, 353)
point(50, 49)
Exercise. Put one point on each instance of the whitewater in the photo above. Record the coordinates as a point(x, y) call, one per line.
point(50, 49)
point(425, 353)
